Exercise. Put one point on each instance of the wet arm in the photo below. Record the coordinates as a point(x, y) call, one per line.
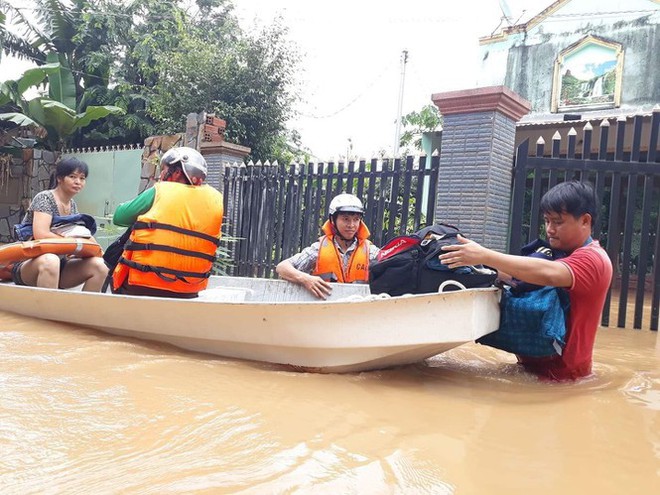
point(533, 270)
point(127, 213)
point(316, 285)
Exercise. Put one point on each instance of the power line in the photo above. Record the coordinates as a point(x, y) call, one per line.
point(352, 101)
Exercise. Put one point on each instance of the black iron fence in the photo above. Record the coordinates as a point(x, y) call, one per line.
point(275, 211)
point(627, 182)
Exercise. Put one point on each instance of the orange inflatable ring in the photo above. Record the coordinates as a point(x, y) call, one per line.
point(21, 251)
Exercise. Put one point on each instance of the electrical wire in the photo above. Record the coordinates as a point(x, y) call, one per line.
point(352, 101)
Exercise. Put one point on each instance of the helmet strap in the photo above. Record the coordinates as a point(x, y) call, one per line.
point(171, 170)
point(168, 174)
point(336, 230)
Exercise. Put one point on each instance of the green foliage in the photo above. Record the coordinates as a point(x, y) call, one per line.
point(415, 123)
point(159, 60)
point(224, 261)
point(247, 82)
point(61, 86)
point(58, 119)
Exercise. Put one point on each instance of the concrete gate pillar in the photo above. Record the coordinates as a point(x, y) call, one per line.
point(474, 183)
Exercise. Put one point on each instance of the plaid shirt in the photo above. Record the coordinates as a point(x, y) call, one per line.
point(305, 261)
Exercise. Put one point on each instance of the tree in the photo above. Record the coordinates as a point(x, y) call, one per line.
point(428, 119)
point(247, 82)
point(160, 60)
point(53, 113)
point(83, 39)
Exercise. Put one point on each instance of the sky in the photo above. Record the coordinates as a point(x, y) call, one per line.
point(351, 72)
point(351, 54)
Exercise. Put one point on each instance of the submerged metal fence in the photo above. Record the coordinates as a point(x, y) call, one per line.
point(627, 183)
point(275, 211)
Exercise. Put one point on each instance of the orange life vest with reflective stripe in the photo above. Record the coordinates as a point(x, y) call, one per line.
point(330, 258)
point(172, 246)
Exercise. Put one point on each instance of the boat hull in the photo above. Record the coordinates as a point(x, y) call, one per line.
point(344, 335)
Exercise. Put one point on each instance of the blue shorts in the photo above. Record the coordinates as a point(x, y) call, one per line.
point(16, 271)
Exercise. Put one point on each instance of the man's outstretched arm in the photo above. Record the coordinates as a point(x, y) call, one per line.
point(533, 270)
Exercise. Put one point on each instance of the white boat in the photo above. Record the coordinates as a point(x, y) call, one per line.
point(275, 321)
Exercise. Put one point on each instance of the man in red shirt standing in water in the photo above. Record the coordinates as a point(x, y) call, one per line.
point(569, 211)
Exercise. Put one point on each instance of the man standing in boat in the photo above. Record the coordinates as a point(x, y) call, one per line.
point(569, 210)
point(175, 231)
point(342, 254)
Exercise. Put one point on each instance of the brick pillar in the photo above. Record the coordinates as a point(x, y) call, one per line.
point(217, 155)
point(474, 183)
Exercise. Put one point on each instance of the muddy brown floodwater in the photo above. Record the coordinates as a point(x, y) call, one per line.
point(85, 412)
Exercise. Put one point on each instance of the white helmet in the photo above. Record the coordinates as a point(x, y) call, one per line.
point(192, 162)
point(345, 203)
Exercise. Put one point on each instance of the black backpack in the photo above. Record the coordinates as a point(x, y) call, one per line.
point(409, 264)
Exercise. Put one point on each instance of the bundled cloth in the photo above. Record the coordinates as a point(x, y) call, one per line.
point(532, 318)
point(532, 323)
point(78, 225)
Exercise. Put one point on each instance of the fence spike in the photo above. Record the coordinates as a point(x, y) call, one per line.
point(540, 140)
point(266, 163)
point(274, 164)
point(605, 123)
point(556, 136)
point(572, 131)
point(258, 164)
point(621, 118)
point(588, 127)
point(435, 152)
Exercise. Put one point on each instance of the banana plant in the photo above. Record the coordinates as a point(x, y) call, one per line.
point(55, 113)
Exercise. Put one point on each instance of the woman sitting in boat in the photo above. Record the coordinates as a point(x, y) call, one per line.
point(50, 270)
point(342, 254)
point(175, 231)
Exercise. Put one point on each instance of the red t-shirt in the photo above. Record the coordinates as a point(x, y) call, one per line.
point(592, 274)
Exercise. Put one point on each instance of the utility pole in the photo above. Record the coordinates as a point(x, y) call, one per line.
point(397, 132)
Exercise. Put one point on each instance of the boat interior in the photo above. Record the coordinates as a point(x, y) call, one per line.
point(238, 289)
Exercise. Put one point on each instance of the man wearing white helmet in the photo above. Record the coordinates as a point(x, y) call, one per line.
point(175, 231)
point(342, 254)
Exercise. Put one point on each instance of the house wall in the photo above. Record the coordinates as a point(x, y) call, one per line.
point(30, 174)
point(523, 59)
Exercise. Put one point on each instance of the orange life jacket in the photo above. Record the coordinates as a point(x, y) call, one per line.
point(330, 259)
point(20, 251)
point(172, 246)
